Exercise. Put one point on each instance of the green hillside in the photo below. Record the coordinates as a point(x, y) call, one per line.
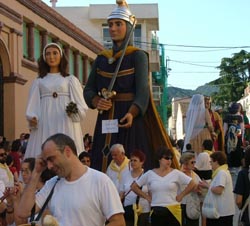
point(206, 89)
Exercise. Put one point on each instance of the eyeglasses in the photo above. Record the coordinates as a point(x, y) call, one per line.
point(3, 154)
point(26, 171)
point(167, 157)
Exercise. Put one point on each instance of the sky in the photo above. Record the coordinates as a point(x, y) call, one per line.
point(195, 34)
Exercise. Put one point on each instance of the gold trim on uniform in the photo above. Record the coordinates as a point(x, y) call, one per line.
point(120, 73)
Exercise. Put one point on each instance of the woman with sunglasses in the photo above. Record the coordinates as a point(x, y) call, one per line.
point(187, 161)
point(167, 187)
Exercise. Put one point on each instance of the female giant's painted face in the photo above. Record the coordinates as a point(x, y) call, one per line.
point(52, 56)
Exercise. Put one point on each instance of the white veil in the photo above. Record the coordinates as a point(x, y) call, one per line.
point(196, 119)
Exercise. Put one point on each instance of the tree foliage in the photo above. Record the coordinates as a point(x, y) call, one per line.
point(235, 75)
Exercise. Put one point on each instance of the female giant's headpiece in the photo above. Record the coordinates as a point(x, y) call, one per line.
point(122, 12)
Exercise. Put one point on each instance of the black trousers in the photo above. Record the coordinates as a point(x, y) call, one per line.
point(161, 216)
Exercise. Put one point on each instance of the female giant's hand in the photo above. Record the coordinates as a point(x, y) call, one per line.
point(33, 122)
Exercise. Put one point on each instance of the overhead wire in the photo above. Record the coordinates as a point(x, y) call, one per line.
point(194, 63)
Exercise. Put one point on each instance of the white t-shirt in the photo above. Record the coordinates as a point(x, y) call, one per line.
point(203, 161)
point(88, 201)
point(130, 199)
point(113, 175)
point(225, 201)
point(164, 189)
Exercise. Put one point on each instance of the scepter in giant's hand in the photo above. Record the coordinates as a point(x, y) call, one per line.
point(109, 93)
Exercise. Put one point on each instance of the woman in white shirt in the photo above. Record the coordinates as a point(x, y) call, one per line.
point(137, 159)
point(222, 187)
point(187, 161)
point(164, 184)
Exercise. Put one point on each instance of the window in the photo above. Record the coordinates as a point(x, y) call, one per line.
point(107, 41)
point(137, 36)
point(37, 43)
point(71, 62)
point(81, 69)
point(25, 40)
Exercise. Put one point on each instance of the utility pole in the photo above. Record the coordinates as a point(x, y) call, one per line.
point(160, 78)
point(164, 85)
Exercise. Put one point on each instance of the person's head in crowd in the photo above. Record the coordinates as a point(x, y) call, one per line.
point(164, 153)
point(22, 136)
point(189, 148)
point(16, 145)
point(137, 159)
point(27, 167)
point(9, 160)
point(85, 158)
point(208, 145)
point(218, 158)
point(233, 108)
point(3, 155)
point(180, 144)
point(117, 153)
point(87, 140)
point(60, 154)
point(218, 109)
point(207, 102)
point(187, 161)
point(27, 136)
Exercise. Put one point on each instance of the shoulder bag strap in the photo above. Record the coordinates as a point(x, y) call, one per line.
point(130, 188)
point(44, 205)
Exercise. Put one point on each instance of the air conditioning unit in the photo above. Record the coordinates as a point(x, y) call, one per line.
point(157, 94)
point(154, 60)
point(107, 44)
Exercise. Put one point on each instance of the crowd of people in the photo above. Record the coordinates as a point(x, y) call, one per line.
point(52, 175)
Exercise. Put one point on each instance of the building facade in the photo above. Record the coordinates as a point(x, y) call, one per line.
point(177, 120)
point(93, 20)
